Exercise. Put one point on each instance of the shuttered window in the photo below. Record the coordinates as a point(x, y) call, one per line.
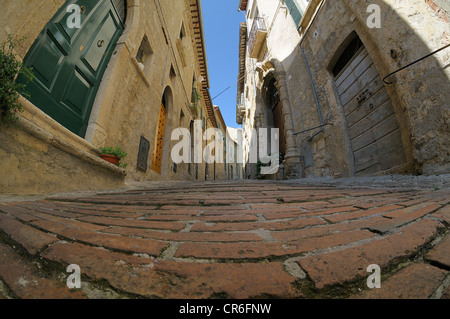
point(295, 11)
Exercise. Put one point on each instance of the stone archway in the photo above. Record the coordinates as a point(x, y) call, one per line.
point(269, 70)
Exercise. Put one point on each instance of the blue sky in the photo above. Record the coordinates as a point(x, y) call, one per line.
point(221, 22)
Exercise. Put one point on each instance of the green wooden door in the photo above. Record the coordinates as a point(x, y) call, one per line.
point(69, 63)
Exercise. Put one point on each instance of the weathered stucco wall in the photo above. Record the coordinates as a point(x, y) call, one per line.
point(35, 162)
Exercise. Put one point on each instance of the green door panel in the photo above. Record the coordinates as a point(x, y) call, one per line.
point(75, 98)
point(69, 63)
point(46, 61)
point(101, 43)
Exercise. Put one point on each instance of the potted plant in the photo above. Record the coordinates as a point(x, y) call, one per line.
point(113, 155)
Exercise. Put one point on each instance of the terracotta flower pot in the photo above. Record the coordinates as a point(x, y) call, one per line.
point(111, 158)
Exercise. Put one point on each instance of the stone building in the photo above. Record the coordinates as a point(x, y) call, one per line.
point(121, 73)
point(321, 72)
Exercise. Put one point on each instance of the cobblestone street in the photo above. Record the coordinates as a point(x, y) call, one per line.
point(229, 240)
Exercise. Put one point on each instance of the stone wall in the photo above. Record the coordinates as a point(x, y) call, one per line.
point(419, 95)
point(34, 161)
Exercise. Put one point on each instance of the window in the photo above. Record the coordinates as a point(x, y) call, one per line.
point(225, 153)
point(295, 11)
point(181, 119)
point(349, 52)
point(182, 32)
point(145, 53)
point(172, 74)
point(196, 96)
point(203, 119)
point(181, 45)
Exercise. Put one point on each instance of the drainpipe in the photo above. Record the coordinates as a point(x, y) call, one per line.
point(319, 109)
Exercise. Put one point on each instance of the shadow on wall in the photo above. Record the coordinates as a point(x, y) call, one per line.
point(344, 119)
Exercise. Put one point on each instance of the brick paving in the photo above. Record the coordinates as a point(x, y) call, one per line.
point(249, 239)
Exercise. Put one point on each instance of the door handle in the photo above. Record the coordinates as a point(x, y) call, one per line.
point(100, 43)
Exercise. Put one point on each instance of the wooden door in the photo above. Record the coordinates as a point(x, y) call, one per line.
point(372, 125)
point(278, 123)
point(159, 143)
point(69, 63)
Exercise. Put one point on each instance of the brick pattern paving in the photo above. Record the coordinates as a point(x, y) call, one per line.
point(229, 240)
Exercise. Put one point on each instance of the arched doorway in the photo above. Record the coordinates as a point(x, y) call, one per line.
point(69, 60)
point(160, 131)
point(274, 115)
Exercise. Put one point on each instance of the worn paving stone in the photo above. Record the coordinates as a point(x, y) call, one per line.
point(351, 263)
point(269, 225)
point(20, 213)
point(135, 223)
point(186, 237)
point(165, 279)
point(446, 294)
point(403, 216)
point(240, 239)
point(71, 222)
point(131, 244)
point(441, 253)
point(335, 218)
point(417, 281)
point(311, 213)
point(443, 214)
point(263, 250)
point(23, 278)
point(31, 208)
point(30, 238)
